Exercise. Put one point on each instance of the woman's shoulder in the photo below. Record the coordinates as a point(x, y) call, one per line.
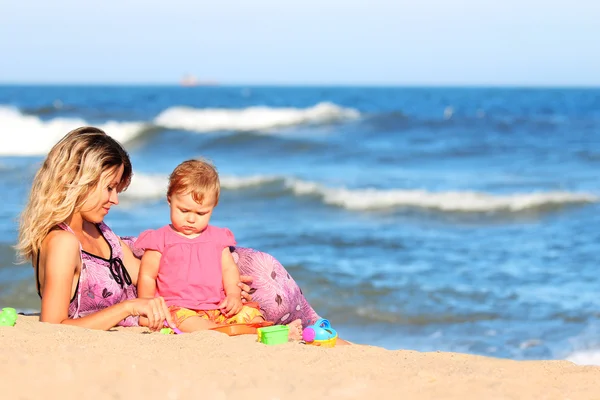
point(59, 237)
point(61, 241)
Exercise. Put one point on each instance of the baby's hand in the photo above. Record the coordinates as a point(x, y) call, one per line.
point(231, 306)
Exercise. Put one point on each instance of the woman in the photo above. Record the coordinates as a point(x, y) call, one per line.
point(85, 274)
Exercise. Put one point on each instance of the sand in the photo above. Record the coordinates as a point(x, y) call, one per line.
point(40, 360)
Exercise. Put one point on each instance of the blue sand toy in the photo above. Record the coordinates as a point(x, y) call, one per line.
point(320, 334)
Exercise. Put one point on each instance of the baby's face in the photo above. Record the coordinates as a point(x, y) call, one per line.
point(188, 217)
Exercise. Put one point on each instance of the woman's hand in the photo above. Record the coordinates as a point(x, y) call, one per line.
point(245, 280)
point(155, 310)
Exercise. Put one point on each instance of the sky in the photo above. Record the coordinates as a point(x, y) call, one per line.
point(326, 42)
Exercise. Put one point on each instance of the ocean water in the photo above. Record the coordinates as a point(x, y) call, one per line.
point(450, 219)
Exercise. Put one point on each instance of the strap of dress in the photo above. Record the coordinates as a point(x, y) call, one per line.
point(37, 275)
point(116, 266)
point(113, 240)
point(66, 227)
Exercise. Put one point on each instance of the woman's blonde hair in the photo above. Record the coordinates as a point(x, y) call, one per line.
point(198, 177)
point(70, 172)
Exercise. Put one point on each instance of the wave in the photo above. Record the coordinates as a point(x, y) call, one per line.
point(37, 136)
point(27, 135)
point(450, 201)
point(585, 357)
point(154, 186)
point(251, 118)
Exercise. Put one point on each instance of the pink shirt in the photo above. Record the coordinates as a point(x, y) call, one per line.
point(189, 273)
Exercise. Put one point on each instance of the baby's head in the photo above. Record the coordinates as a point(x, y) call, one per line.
point(193, 193)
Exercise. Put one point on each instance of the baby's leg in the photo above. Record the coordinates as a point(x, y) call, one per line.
point(253, 315)
point(191, 320)
point(196, 323)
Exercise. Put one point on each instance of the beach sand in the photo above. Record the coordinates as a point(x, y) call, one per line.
point(40, 360)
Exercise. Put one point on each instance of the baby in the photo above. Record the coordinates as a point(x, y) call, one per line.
point(189, 263)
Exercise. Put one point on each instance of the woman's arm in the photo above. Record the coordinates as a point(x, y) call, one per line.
point(62, 258)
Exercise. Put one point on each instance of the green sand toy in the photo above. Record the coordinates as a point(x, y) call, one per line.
point(8, 316)
point(276, 334)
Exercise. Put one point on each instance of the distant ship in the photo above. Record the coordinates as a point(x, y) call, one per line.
point(190, 80)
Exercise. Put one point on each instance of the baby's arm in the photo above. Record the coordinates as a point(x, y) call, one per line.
point(146, 285)
point(231, 277)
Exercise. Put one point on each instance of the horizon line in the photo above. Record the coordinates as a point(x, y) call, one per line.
point(217, 84)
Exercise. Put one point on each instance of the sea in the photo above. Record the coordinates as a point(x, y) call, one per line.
point(430, 219)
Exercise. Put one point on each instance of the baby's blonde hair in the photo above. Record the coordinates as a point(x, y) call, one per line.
point(198, 177)
point(70, 172)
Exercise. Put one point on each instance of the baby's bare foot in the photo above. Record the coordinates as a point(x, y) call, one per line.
point(295, 330)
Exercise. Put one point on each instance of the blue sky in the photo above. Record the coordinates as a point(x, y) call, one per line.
point(379, 42)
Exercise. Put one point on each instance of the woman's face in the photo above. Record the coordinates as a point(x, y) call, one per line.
point(103, 197)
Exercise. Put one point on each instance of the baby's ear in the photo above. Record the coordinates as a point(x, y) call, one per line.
point(169, 200)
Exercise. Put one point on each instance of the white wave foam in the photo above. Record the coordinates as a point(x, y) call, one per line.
point(154, 186)
point(146, 186)
point(252, 118)
point(372, 199)
point(24, 135)
point(235, 182)
point(585, 357)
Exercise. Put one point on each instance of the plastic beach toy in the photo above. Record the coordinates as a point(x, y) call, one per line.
point(241, 329)
point(271, 335)
point(320, 334)
point(8, 316)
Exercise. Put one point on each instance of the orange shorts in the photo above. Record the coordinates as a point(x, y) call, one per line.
point(246, 315)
